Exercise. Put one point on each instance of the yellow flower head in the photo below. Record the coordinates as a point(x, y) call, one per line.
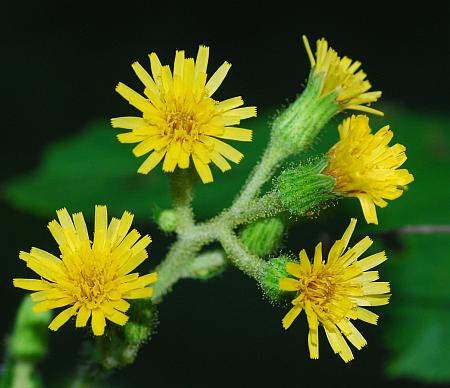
point(341, 75)
point(366, 167)
point(180, 119)
point(332, 293)
point(93, 278)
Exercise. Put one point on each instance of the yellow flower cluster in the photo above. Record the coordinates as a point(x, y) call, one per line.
point(93, 278)
point(366, 167)
point(180, 119)
point(336, 291)
point(180, 122)
point(342, 76)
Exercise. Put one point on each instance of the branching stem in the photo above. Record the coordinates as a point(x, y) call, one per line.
point(238, 254)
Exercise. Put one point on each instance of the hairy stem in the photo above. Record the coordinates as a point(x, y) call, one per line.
point(23, 372)
point(260, 174)
point(266, 206)
point(182, 185)
point(173, 266)
point(238, 254)
point(87, 376)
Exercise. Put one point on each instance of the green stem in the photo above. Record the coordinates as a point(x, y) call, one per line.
point(296, 128)
point(266, 206)
point(292, 132)
point(270, 160)
point(23, 375)
point(87, 376)
point(238, 254)
point(206, 265)
point(173, 267)
point(182, 186)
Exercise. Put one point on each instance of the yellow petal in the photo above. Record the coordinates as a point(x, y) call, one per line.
point(31, 284)
point(318, 256)
point(128, 122)
point(121, 305)
point(140, 293)
point(372, 261)
point(290, 316)
point(366, 315)
point(288, 284)
point(65, 220)
point(304, 261)
point(152, 161)
point(203, 170)
point(62, 318)
point(178, 67)
point(145, 78)
point(83, 316)
point(375, 288)
point(217, 78)
point(369, 210)
point(98, 322)
point(348, 233)
point(355, 337)
point(201, 62)
point(100, 228)
point(156, 69)
point(219, 161)
point(80, 226)
point(229, 104)
point(313, 335)
point(124, 227)
point(294, 269)
point(234, 133)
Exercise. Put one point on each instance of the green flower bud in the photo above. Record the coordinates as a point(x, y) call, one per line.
point(295, 128)
point(136, 332)
point(263, 236)
point(122, 343)
point(207, 265)
point(303, 188)
point(274, 271)
point(167, 220)
point(30, 335)
point(143, 319)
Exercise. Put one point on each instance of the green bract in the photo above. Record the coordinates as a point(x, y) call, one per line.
point(303, 188)
point(263, 236)
point(270, 284)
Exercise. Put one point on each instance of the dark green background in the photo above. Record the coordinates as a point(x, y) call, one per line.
point(60, 63)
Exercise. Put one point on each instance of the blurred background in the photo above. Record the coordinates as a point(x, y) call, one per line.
point(61, 62)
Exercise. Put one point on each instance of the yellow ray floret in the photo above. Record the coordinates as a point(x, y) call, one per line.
point(334, 292)
point(343, 76)
point(366, 167)
point(180, 119)
point(90, 279)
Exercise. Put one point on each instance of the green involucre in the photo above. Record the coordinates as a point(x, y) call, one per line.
point(275, 270)
point(295, 128)
point(263, 236)
point(303, 188)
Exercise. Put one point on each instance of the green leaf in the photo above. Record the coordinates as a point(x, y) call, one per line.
point(92, 168)
point(416, 325)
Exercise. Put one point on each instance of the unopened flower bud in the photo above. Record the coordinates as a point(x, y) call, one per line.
point(275, 270)
point(263, 236)
point(167, 220)
point(304, 188)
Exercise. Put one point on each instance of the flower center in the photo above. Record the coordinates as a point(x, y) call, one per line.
point(93, 282)
point(181, 125)
point(320, 289)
